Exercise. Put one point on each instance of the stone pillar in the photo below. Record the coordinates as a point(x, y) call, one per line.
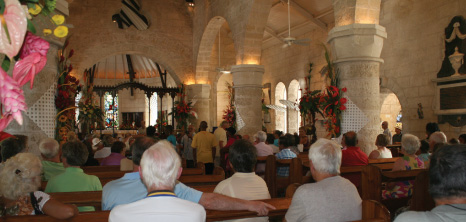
point(39, 118)
point(200, 93)
point(356, 50)
point(247, 81)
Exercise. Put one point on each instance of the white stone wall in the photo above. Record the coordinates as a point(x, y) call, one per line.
point(413, 54)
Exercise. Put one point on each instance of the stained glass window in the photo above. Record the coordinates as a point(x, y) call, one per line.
point(111, 110)
point(153, 109)
point(76, 103)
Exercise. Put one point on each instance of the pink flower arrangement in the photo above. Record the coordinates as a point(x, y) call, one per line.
point(32, 44)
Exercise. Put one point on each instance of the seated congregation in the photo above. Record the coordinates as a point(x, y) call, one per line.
point(326, 181)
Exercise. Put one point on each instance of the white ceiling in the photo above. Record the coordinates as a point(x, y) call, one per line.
point(305, 16)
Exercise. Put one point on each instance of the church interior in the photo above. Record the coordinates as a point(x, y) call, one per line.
point(137, 61)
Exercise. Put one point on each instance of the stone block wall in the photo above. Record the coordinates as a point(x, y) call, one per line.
point(292, 63)
point(413, 54)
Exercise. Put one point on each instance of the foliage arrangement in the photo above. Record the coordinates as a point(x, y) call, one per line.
point(67, 89)
point(90, 116)
point(329, 103)
point(229, 114)
point(183, 110)
point(162, 120)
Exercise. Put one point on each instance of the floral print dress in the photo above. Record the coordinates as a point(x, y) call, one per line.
point(404, 188)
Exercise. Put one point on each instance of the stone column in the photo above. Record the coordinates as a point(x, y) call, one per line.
point(200, 93)
point(39, 118)
point(356, 50)
point(247, 81)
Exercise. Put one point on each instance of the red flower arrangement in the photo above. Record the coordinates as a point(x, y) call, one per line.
point(329, 103)
point(229, 114)
point(183, 110)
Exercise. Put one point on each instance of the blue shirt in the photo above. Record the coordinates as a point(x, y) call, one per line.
point(284, 154)
point(130, 188)
point(172, 139)
point(275, 142)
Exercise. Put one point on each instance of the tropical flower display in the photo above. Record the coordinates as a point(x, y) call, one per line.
point(229, 114)
point(331, 100)
point(329, 103)
point(183, 110)
point(65, 99)
point(27, 63)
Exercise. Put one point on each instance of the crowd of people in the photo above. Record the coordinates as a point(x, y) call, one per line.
point(151, 190)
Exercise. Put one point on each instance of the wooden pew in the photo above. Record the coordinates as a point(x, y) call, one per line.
point(421, 199)
point(94, 198)
point(372, 179)
point(95, 170)
point(214, 179)
point(281, 205)
point(275, 183)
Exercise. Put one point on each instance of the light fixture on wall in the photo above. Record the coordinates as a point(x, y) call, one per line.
point(190, 3)
point(220, 68)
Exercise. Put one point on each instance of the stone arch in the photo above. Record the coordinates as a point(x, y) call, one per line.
point(151, 52)
point(203, 64)
point(293, 115)
point(280, 116)
point(93, 40)
point(388, 90)
point(249, 51)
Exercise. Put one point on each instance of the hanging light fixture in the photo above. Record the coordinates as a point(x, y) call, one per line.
point(220, 68)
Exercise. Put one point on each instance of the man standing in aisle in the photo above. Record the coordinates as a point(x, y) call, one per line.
point(204, 146)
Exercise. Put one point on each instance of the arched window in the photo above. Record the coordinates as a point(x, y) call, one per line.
point(280, 115)
point(111, 110)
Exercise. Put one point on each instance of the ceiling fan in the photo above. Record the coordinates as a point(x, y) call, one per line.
point(291, 40)
point(220, 68)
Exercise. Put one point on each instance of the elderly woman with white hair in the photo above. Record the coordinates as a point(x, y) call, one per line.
point(409, 146)
point(18, 190)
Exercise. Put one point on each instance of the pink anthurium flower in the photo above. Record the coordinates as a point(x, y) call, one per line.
point(12, 100)
point(27, 68)
point(16, 22)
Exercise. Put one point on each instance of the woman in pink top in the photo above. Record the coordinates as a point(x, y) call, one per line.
point(114, 159)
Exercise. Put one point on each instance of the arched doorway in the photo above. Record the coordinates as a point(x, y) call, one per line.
point(390, 110)
point(280, 116)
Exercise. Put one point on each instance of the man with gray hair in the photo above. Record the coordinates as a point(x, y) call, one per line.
point(160, 168)
point(262, 149)
point(332, 197)
point(51, 164)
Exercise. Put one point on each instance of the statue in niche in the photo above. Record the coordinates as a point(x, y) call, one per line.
point(420, 113)
point(455, 36)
